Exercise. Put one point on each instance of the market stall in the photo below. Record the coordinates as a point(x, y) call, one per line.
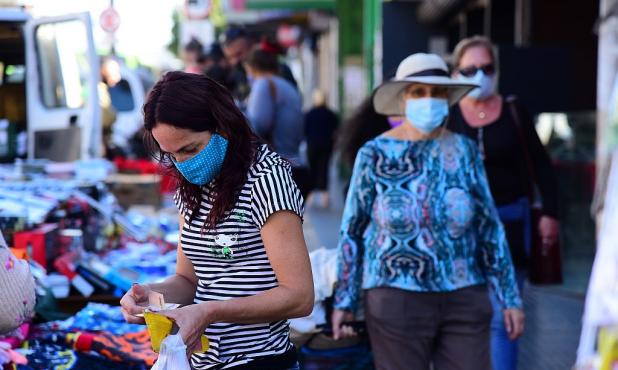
point(84, 250)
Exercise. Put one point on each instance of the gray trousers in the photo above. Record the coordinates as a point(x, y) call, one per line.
point(411, 331)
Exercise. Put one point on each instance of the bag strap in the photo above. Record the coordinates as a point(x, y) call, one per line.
point(272, 88)
point(511, 100)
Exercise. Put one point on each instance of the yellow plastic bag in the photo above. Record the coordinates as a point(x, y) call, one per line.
point(160, 327)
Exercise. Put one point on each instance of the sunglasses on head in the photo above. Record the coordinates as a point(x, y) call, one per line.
point(488, 70)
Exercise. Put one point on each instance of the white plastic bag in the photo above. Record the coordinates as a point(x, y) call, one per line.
point(173, 355)
point(324, 268)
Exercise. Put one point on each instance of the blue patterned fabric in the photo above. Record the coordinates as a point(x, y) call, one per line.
point(419, 216)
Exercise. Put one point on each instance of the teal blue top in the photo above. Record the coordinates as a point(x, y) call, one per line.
point(419, 216)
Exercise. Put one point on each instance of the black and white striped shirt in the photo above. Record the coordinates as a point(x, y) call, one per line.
point(230, 261)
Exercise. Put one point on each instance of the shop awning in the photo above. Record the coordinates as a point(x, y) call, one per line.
point(290, 4)
point(432, 11)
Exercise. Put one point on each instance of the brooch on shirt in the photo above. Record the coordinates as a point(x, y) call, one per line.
point(225, 242)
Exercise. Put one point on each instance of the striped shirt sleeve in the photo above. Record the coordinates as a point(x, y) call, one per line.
point(180, 205)
point(273, 192)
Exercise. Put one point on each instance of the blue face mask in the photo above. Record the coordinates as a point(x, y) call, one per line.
point(487, 85)
point(426, 114)
point(205, 165)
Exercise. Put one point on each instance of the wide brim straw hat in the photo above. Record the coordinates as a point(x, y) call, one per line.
point(421, 68)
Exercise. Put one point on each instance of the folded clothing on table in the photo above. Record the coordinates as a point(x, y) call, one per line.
point(96, 317)
point(50, 356)
point(132, 349)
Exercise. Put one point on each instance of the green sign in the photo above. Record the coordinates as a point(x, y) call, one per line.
point(291, 4)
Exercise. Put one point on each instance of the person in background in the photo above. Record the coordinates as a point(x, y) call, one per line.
point(420, 234)
point(192, 53)
point(237, 46)
point(321, 124)
point(242, 265)
point(123, 130)
point(487, 118)
point(274, 109)
point(110, 76)
point(219, 69)
point(363, 125)
point(272, 46)
point(204, 62)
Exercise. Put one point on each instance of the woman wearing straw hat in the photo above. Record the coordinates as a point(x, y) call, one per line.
point(420, 235)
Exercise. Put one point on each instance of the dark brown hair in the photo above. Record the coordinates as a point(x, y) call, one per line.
point(263, 61)
point(364, 125)
point(198, 103)
point(471, 42)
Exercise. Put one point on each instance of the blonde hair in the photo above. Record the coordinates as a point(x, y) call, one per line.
point(319, 98)
point(471, 42)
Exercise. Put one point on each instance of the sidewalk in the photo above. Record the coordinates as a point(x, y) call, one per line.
point(553, 318)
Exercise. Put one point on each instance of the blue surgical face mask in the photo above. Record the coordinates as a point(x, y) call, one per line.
point(426, 114)
point(487, 85)
point(205, 165)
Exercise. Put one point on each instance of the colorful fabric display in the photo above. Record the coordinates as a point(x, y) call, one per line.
point(98, 317)
point(42, 355)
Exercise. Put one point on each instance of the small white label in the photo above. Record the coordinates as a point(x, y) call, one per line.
point(84, 287)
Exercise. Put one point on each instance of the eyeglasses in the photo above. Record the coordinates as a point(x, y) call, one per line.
point(488, 70)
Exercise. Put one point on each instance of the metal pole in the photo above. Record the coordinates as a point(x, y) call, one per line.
point(368, 40)
point(112, 49)
point(607, 68)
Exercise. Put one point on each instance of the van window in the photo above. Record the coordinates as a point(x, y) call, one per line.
point(62, 51)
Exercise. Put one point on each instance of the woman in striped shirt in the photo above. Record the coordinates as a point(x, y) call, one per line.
point(242, 267)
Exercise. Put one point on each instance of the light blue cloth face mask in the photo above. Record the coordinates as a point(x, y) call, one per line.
point(426, 114)
point(203, 167)
point(486, 85)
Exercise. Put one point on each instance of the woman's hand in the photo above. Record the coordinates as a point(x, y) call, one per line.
point(549, 229)
point(339, 317)
point(514, 322)
point(192, 321)
point(134, 302)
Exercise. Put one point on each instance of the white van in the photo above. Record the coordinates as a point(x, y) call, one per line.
point(49, 105)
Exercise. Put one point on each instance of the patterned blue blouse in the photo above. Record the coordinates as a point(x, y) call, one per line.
point(419, 216)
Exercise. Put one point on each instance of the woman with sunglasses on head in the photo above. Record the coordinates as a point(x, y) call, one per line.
point(420, 235)
point(242, 264)
point(501, 129)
